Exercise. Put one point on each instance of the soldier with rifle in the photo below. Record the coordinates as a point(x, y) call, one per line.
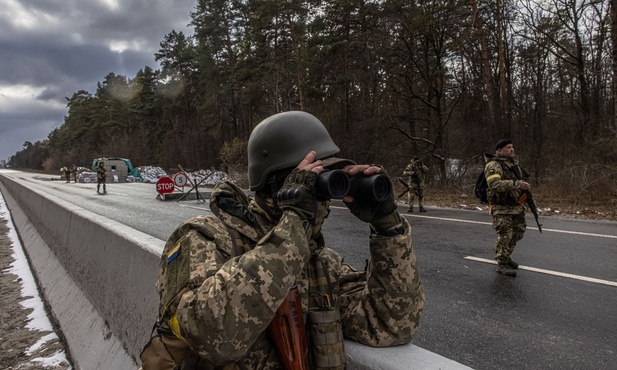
point(256, 287)
point(416, 172)
point(508, 192)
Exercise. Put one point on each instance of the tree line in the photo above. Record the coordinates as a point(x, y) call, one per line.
point(391, 79)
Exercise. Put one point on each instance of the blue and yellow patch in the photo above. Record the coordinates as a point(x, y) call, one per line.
point(173, 253)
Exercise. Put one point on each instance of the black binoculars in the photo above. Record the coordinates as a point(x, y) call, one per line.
point(336, 184)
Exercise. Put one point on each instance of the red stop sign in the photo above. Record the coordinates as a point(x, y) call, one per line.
point(165, 185)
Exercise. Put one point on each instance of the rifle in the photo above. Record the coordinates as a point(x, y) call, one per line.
point(527, 198)
point(288, 332)
point(406, 185)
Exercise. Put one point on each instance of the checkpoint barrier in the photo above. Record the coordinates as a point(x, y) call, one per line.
point(98, 277)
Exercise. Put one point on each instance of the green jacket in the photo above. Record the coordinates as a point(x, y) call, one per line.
point(222, 279)
point(416, 171)
point(503, 193)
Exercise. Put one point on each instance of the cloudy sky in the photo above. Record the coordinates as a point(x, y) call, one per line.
point(50, 49)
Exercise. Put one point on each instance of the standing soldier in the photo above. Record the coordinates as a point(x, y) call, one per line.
point(67, 173)
point(506, 183)
point(101, 177)
point(74, 172)
point(416, 172)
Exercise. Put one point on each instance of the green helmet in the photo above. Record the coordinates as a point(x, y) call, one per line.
point(282, 141)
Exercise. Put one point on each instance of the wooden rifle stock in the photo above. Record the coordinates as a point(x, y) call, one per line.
point(288, 332)
point(526, 198)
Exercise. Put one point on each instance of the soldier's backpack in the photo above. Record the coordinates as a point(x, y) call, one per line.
point(481, 188)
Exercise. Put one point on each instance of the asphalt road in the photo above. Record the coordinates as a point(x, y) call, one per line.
point(559, 313)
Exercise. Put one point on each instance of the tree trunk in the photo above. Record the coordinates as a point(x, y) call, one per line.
point(488, 82)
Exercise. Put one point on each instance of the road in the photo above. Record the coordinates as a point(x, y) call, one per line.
point(559, 313)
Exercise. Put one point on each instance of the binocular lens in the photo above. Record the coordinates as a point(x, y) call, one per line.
point(336, 184)
point(332, 184)
point(375, 187)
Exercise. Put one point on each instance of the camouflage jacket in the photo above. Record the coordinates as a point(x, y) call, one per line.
point(503, 192)
point(101, 173)
point(417, 172)
point(241, 265)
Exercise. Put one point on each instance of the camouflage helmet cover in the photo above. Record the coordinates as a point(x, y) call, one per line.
point(282, 140)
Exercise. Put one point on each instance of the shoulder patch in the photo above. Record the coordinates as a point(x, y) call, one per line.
point(173, 253)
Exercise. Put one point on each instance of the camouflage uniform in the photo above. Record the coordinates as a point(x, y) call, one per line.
point(214, 268)
point(416, 171)
point(503, 194)
point(74, 172)
point(67, 173)
point(101, 178)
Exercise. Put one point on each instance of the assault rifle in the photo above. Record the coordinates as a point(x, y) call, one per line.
point(288, 332)
point(406, 185)
point(527, 198)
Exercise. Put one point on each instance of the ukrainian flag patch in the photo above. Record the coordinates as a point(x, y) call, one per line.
point(173, 253)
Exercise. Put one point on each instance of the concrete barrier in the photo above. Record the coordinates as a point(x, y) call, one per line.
point(96, 274)
point(98, 277)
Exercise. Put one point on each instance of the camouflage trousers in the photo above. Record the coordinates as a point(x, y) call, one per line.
point(98, 185)
point(510, 229)
point(411, 195)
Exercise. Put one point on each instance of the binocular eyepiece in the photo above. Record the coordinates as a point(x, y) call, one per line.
point(336, 184)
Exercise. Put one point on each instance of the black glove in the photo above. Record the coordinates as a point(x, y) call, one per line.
point(298, 194)
point(381, 215)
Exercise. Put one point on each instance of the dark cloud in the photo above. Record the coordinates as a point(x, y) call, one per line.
point(51, 49)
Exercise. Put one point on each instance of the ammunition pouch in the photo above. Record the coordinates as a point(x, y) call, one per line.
point(164, 352)
point(325, 332)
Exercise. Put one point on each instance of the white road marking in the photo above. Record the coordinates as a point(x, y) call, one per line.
point(528, 227)
point(550, 272)
point(490, 223)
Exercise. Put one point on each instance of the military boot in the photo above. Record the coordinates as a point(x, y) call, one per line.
point(410, 210)
point(513, 264)
point(422, 209)
point(506, 270)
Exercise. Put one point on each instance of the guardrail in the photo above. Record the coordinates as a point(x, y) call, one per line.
point(98, 277)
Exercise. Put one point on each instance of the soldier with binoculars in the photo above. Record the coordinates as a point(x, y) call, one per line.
point(225, 278)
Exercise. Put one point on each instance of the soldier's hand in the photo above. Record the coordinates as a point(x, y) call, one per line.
point(523, 185)
point(298, 192)
point(381, 215)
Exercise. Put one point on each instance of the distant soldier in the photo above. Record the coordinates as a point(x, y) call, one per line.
point(416, 172)
point(506, 184)
point(101, 177)
point(74, 172)
point(67, 173)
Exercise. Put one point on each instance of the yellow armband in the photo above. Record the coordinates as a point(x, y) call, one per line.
point(174, 325)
